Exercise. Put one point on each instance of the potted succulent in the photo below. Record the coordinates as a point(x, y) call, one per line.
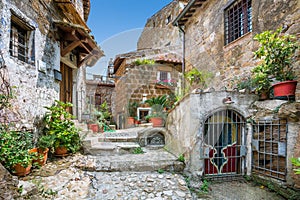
point(15, 154)
point(59, 125)
point(277, 52)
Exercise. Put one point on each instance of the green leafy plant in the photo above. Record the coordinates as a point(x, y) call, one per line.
point(246, 83)
point(138, 150)
point(14, 148)
point(277, 54)
point(205, 186)
point(198, 77)
point(181, 158)
point(59, 124)
point(132, 108)
point(296, 163)
point(160, 171)
point(260, 79)
point(138, 62)
point(157, 110)
point(45, 141)
point(102, 116)
point(161, 100)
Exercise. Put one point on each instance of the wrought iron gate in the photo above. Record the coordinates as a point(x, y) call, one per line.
point(269, 148)
point(223, 146)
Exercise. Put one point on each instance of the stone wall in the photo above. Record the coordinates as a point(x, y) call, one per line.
point(159, 31)
point(34, 88)
point(185, 128)
point(34, 82)
point(205, 48)
point(185, 123)
point(137, 81)
point(8, 184)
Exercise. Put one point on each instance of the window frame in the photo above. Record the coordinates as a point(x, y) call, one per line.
point(21, 43)
point(237, 20)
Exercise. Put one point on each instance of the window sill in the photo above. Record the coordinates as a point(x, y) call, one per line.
point(238, 41)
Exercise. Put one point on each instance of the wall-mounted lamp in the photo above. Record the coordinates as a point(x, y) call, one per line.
point(111, 69)
point(227, 100)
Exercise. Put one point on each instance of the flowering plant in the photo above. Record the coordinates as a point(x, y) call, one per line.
point(166, 82)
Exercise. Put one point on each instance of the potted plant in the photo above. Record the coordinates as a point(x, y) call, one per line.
point(157, 116)
point(45, 142)
point(160, 100)
point(261, 82)
point(59, 125)
point(101, 118)
point(15, 154)
point(132, 112)
point(277, 52)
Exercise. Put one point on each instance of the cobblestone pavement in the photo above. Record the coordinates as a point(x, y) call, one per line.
point(61, 179)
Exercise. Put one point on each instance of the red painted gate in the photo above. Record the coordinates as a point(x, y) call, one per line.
point(223, 144)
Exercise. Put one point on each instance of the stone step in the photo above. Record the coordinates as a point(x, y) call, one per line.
point(151, 160)
point(109, 148)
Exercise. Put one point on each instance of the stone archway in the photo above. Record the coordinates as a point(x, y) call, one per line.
point(152, 137)
point(224, 144)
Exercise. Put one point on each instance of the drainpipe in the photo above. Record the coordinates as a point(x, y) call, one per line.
point(183, 57)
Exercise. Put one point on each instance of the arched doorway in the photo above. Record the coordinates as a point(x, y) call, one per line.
point(224, 144)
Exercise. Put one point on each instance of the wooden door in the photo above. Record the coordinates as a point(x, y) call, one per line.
point(66, 85)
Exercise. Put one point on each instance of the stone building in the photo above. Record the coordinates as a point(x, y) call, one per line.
point(46, 46)
point(136, 83)
point(160, 41)
point(221, 132)
point(99, 90)
point(159, 33)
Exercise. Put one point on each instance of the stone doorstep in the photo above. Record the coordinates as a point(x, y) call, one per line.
point(118, 139)
point(139, 166)
point(110, 148)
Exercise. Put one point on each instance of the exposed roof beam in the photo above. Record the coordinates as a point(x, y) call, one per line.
point(70, 47)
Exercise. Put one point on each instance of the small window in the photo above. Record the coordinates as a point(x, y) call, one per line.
point(21, 43)
point(168, 20)
point(164, 76)
point(238, 20)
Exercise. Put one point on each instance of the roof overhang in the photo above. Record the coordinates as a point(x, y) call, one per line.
point(77, 37)
point(70, 12)
point(86, 9)
point(188, 12)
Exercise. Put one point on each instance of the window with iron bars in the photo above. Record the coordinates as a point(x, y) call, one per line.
point(20, 46)
point(238, 20)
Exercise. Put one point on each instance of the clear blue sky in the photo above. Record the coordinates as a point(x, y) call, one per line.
point(117, 24)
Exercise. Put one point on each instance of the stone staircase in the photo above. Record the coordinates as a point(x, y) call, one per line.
point(116, 151)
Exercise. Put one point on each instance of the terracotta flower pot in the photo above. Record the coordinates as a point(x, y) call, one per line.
point(157, 121)
point(130, 121)
point(43, 156)
point(61, 151)
point(94, 128)
point(285, 90)
point(19, 170)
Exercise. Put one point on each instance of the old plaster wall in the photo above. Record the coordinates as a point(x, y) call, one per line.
point(34, 88)
point(34, 82)
point(185, 124)
point(205, 47)
point(159, 31)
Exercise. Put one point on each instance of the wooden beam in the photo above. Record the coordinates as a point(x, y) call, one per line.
point(80, 63)
point(70, 47)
